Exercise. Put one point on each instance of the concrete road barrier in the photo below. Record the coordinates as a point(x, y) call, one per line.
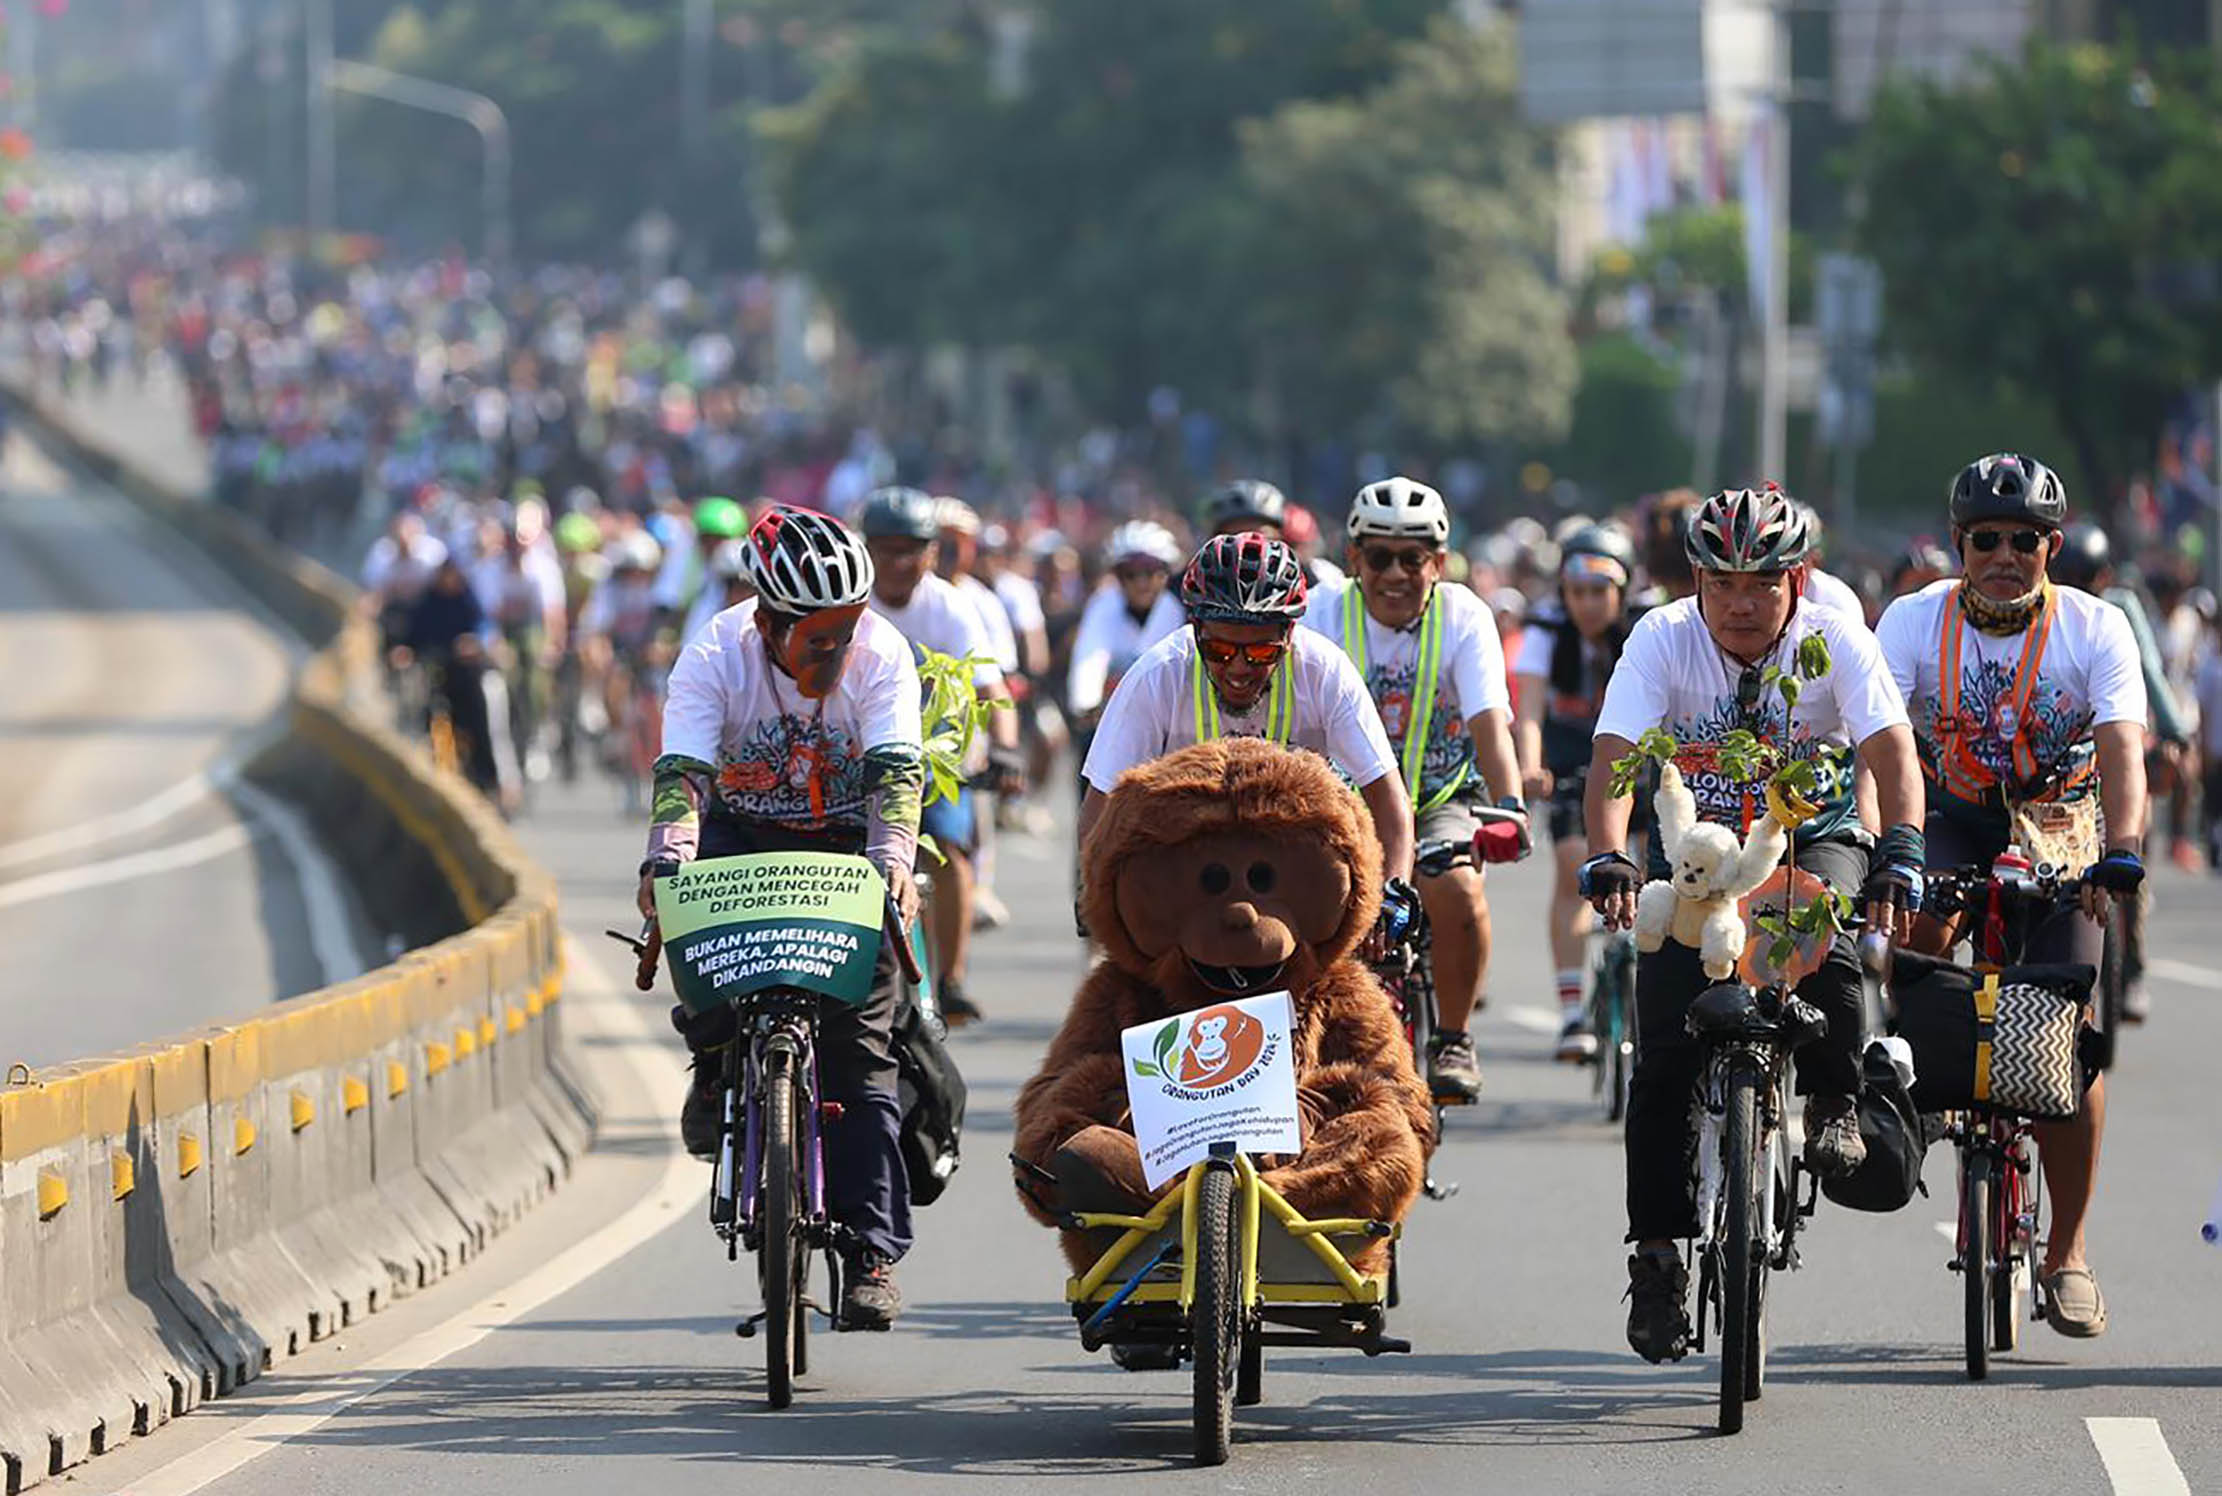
point(176, 1220)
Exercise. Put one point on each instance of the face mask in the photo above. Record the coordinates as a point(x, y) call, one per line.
point(815, 647)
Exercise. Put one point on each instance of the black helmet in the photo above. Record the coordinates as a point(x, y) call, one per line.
point(1598, 551)
point(1248, 578)
point(2084, 553)
point(1246, 499)
point(907, 512)
point(2006, 486)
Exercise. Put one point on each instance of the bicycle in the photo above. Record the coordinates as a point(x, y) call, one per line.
point(2001, 1191)
point(1612, 1007)
point(768, 1180)
point(1749, 1183)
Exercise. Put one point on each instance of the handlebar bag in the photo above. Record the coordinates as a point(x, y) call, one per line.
point(2003, 1039)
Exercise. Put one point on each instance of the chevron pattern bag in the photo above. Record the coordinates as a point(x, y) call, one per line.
point(2000, 1039)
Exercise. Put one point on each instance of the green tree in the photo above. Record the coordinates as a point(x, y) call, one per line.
point(2055, 226)
point(1402, 240)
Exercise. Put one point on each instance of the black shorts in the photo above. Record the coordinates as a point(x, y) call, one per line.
point(2070, 936)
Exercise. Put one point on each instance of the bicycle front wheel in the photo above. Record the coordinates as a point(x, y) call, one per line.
point(1977, 1182)
point(780, 1259)
point(2110, 987)
point(1741, 1255)
point(1215, 1318)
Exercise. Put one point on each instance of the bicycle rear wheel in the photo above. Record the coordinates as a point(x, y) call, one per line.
point(1215, 1318)
point(1977, 1204)
point(1740, 1255)
point(2009, 1247)
point(780, 1257)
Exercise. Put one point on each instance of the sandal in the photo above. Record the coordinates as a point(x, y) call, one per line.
point(2073, 1304)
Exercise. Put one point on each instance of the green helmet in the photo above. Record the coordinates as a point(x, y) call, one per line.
point(577, 533)
point(720, 517)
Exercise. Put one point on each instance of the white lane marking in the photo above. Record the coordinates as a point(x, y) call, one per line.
point(152, 811)
point(1534, 1020)
point(331, 932)
point(658, 1069)
point(2136, 1457)
point(2184, 972)
point(169, 859)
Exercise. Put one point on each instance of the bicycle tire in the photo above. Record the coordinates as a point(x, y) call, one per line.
point(775, 1257)
point(1215, 1316)
point(2005, 1283)
point(1977, 1205)
point(2110, 989)
point(1739, 1142)
point(1755, 1318)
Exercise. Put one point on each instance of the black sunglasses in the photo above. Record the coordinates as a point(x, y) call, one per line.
point(1381, 558)
point(2025, 541)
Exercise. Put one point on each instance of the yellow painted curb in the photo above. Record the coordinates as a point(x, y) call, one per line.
point(466, 1043)
point(516, 1019)
point(397, 1078)
point(487, 1033)
point(435, 1059)
point(188, 1155)
point(353, 1095)
point(242, 1135)
point(302, 1108)
point(53, 1193)
point(534, 1002)
point(122, 1175)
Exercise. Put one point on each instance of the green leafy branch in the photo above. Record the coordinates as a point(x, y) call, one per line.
point(1655, 747)
point(1822, 917)
point(952, 717)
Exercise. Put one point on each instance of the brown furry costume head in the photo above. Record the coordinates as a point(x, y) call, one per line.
point(1230, 867)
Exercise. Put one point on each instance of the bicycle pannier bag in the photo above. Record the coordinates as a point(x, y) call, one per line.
point(2004, 1039)
point(1891, 1175)
point(932, 1096)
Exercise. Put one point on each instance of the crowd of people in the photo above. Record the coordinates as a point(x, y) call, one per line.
point(607, 535)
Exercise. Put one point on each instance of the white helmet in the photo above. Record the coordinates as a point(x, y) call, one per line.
point(637, 551)
point(1145, 539)
point(801, 561)
point(1400, 509)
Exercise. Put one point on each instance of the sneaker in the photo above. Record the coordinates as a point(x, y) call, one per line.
point(869, 1298)
point(2186, 854)
point(957, 1010)
point(2137, 1003)
point(988, 911)
point(1834, 1148)
point(1453, 1071)
point(1577, 1045)
point(702, 1114)
point(1658, 1323)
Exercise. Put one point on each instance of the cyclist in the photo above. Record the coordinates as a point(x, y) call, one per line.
point(2024, 692)
point(1252, 504)
point(900, 527)
point(1434, 670)
point(1121, 620)
point(2086, 560)
point(1567, 654)
point(792, 724)
point(727, 587)
point(1918, 565)
point(1696, 668)
point(685, 574)
point(1242, 668)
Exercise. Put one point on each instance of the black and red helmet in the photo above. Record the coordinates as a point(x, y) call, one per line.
point(1747, 529)
point(1245, 578)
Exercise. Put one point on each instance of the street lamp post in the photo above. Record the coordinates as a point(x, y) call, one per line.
point(474, 109)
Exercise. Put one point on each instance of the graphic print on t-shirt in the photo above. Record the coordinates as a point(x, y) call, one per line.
point(1739, 802)
point(1448, 749)
point(801, 772)
point(2059, 729)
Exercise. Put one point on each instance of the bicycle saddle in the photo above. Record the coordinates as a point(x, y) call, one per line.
point(1731, 1010)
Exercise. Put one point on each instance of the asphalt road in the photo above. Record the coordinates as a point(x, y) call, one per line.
point(140, 894)
point(593, 1351)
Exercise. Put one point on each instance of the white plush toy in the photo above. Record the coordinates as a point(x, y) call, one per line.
point(1696, 905)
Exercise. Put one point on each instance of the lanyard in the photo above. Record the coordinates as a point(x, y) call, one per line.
point(1280, 711)
point(1965, 776)
point(1421, 715)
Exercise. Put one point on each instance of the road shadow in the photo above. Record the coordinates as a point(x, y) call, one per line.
point(1941, 1365)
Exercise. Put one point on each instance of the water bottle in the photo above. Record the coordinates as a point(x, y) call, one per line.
point(2012, 868)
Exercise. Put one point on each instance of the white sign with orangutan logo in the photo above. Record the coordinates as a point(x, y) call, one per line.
point(1216, 1075)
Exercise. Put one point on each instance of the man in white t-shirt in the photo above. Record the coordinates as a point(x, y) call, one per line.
point(2025, 692)
point(1122, 618)
point(900, 528)
point(1433, 667)
point(1697, 668)
point(792, 724)
point(1243, 669)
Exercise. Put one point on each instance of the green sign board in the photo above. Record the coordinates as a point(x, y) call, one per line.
point(736, 925)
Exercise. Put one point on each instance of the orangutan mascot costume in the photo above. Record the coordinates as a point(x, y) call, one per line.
point(1232, 869)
